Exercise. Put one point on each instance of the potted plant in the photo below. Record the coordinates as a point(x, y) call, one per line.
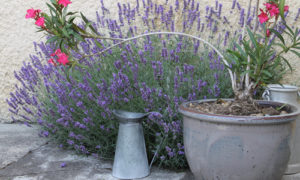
point(244, 138)
point(243, 144)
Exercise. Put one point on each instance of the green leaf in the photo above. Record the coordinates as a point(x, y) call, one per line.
point(78, 29)
point(289, 29)
point(65, 11)
point(93, 29)
point(46, 17)
point(278, 35)
point(62, 47)
point(287, 62)
point(281, 8)
point(77, 36)
point(65, 32)
point(68, 73)
point(98, 44)
point(84, 18)
point(267, 73)
point(88, 24)
point(242, 52)
point(40, 30)
point(296, 52)
point(234, 53)
point(54, 2)
point(51, 8)
point(246, 72)
point(55, 32)
point(52, 39)
point(252, 38)
point(71, 19)
point(280, 45)
point(71, 13)
point(296, 34)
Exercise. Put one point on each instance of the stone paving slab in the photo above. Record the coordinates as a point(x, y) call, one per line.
point(45, 163)
point(291, 177)
point(17, 140)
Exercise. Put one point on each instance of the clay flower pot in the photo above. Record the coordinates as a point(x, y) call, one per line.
point(237, 147)
point(288, 94)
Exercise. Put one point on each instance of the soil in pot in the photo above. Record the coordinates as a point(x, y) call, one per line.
point(237, 108)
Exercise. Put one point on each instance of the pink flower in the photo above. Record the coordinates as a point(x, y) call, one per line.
point(40, 21)
point(274, 11)
point(32, 13)
point(268, 33)
point(62, 58)
point(51, 61)
point(58, 51)
point(286, 8)
point(64, 2)
point(263, 17)
point(268, 6)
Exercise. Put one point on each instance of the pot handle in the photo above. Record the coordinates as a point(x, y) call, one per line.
point(266, 95)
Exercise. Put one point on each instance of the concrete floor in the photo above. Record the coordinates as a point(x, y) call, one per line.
point(25, 156)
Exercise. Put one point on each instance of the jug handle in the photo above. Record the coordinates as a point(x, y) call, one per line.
point(266, 95)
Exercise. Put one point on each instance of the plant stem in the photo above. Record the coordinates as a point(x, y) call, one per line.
point(100, 37)
point(256, 17)
point(247, 78)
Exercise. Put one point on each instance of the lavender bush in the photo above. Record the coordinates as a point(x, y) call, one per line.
point(155, 74)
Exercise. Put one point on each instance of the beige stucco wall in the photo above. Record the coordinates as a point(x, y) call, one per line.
point(17, 35)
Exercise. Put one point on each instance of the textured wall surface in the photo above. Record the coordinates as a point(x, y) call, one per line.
point(18, 33)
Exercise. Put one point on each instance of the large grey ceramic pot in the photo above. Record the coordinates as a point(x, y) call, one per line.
point(288, 94)
point(237, 147)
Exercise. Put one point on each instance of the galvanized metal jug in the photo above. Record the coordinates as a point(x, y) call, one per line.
point(288, 94)
point(130, 160)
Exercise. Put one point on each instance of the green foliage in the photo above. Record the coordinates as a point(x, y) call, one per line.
point(265, 63)
point(65, 32)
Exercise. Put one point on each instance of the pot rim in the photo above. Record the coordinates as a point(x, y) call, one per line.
point(232, 119)
point(282, 88)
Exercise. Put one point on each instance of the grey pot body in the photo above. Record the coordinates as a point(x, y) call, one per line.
point(237, 147)
point(130, 161)
point(288, 94)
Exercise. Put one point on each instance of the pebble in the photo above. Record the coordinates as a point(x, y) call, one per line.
point(283, 112)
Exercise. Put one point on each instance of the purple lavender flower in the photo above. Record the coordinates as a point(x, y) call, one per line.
point(298, 14)
point(45, 133)
point(181, 152)
point(242, 17)
point(238, 5)
point(233, 4)
point(62, 165)
point(171, 154)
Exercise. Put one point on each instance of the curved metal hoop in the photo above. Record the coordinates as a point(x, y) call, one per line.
point(174, 33)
